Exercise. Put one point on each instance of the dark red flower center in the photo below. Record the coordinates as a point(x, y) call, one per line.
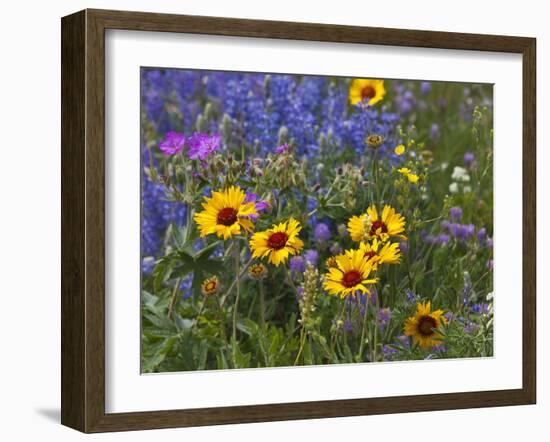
point(351, 278)
point(277, 240)
point(227, 216)
point(368, 92)
point(426, 324)
point(378, 224)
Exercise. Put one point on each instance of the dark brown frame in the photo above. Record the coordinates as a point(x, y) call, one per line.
point(83, 216)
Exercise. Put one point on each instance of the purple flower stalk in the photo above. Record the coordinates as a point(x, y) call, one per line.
point(283, 148)
point(172, 144)
point(384, 317)
point(425, 87)
point(482, 235)
point(202, 145)
point(311, 256)
point(469, 159)
point(297, 264)
point(456, 213)
point(322, 232)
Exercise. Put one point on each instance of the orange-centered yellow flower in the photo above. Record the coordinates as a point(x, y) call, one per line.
point(389, 253)
point(424, 325)
point(364, 89)
point(226, 214)
point(370, 225)
point(351, 274)
point(277, 243)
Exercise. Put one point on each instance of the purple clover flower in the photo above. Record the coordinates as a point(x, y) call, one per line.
point(384, 317)
point(482, 235)
point(283, 148)
point(425, 87)
point(388, 352)
point(201, 145)
point(480, 309)
point(297, 264)
point(322, 232)
point(469, 158)
point(172, 144)
point(456, 213)
point(462, 232)
point(311, 256)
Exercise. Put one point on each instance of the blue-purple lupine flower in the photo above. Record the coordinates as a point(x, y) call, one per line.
point(469, 158)
point(411, 297)
point(462, 232)
point(388, 352)
point(490, 264)
point(172, 144)
point(311, 256)
point(384, 318)
point(456, 213)
point(201, 145)
point(297, 264)
point(322, 232)
point(186, 287)
point(482, 235)
point(480, 309)
point(425, 87)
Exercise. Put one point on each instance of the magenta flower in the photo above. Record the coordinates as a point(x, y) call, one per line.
point(283, 148)
point(201, 145)
point(172, 144)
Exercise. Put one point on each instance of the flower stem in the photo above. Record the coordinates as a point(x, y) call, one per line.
point(174, 300)
point(363, 329)
point(237, 256)
point(262, 305)
point(376, 325)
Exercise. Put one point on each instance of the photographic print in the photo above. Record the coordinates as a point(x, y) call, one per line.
point(296, 220)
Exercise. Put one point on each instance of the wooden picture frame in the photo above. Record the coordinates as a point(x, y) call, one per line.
point(83, 220)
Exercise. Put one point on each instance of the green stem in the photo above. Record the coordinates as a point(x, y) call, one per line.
point(376, 325)
point(174, 300)
point(262, 304)
point(237, 256)
point(363, 330)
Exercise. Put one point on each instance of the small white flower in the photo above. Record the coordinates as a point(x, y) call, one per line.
point(466, 189)
point(490, 296)
point(444, 165)
point(460, 174)
point(453, 188)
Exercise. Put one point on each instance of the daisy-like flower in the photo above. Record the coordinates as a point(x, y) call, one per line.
point(226, 214)
point(172, 144)
point(399, 150)
point(351, 274)
point(277, 243)
point(257, 271)
point(364, 89)
point(389, 253)
point(210, 286)
point(412, 177)
point(424, 325)
point(370, 225)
